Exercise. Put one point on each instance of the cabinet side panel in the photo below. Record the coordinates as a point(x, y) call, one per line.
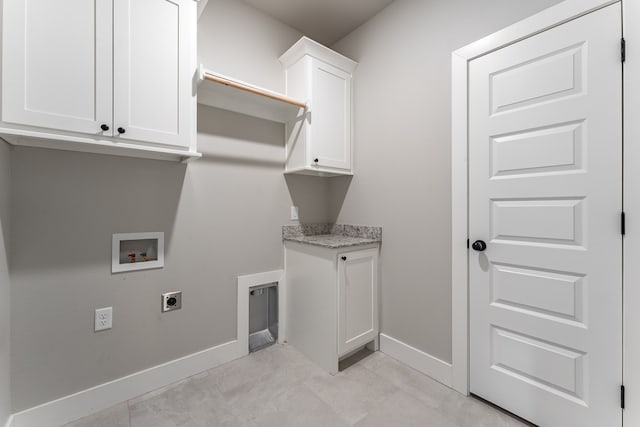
point(296, 155)
point(298, 87)
point(311, 305)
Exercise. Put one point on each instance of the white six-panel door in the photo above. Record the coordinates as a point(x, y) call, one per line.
point(545, 194)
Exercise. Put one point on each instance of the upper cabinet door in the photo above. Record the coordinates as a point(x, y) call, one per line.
point(153, 70)
point(330, 116)
point(57, 64)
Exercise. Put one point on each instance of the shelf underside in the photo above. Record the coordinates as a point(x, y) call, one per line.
point(43, 139)
point(227, 94)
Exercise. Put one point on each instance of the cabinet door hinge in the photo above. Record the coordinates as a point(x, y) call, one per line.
point(623, 223)
point(623, 50)
point(622, 396)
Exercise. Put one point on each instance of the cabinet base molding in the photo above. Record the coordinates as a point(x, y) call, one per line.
point(429, 365)
point(371, 346)
point(313, 171)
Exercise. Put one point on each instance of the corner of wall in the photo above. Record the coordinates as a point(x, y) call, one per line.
point(202, 4)
point(5, 287)
point(429, 365)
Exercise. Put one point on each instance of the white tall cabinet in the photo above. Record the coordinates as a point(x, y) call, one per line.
point(106, 73)
point(332, 300)
point(319, 142)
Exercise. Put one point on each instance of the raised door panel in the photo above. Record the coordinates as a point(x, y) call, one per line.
point(154, 69)
point(330, 136)
point(57, 64)
point(358, 299)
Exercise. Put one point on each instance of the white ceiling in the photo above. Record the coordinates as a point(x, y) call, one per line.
point(325, 21)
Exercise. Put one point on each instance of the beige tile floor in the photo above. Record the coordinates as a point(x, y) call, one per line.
point(279, 387)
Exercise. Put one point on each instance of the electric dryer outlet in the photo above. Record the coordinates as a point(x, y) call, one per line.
point(171, 301)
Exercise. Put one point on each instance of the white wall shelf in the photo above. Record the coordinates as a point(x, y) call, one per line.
point(217, 90)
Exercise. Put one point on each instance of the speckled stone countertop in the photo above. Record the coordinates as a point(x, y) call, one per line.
point(333, 236)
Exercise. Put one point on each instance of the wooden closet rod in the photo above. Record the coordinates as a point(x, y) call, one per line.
point(255, 90)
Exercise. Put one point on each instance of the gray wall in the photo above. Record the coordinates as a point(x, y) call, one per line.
point(222, 214)
point(5, 195)
point(222, 217)
point(238, 41)
point(402, 152)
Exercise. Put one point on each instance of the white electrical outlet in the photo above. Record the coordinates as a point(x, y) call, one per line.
point(104, 319)
point(294, 213)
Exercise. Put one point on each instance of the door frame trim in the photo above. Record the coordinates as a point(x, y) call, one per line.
point(545, 20)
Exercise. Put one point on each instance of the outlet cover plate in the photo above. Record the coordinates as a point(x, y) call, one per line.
point(171, 301)
point(103, 319)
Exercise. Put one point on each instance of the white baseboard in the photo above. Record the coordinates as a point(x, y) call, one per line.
point(103, 396)
point(419, 360)
point(81, 404)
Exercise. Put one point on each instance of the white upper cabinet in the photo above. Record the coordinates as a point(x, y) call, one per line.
point(113, 76)
point(153, 74)
point(57, 64)
point(320, 141)
point(330, 119)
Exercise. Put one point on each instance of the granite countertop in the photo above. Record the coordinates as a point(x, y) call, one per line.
point(333, 236)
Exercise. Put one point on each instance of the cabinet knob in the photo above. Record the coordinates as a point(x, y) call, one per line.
point(121, 130)
point(315, 160)
point(344, 258)
point(104, 127)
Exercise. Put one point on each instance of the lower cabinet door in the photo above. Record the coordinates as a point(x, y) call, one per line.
point(357, 299)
